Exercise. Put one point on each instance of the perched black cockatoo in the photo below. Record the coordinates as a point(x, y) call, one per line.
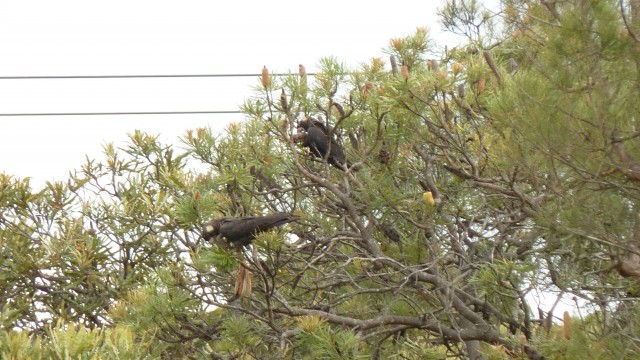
point(241, 230)
point(318, 141)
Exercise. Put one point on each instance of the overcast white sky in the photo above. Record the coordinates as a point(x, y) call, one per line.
point(79, 37)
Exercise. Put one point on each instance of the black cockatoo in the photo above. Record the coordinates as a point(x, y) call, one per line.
point(241, 230)
point(317, 140)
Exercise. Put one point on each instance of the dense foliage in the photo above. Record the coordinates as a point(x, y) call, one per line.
point(480, 175)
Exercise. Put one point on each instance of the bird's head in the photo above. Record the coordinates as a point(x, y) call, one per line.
point(304, 123)
point(300, 136)
point(309, 122)
point(211, 229)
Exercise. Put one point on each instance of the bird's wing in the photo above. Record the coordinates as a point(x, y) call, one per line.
point(337, 154)
point(318, 140)
point(238, 229)
point(243, 229)
point(320, 144)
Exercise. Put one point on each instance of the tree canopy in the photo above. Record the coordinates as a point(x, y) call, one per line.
point(455, 184)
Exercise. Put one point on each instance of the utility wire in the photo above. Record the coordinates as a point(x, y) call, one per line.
point(132, 77)
point(137, 76)
point(127, 113)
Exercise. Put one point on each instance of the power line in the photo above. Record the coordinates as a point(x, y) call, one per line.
point(127, 113)
point(138, 76)
point(132, 77)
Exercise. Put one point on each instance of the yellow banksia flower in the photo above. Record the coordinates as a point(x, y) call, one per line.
point(481, 85)
point(265, 77)
point(404, 71)
point(457, 68)
point(566, 325)
point(428, 198)
point(365, 91)
point(302, 71)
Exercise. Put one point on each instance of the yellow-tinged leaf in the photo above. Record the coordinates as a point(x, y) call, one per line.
point(310, 323)
point(397, 43)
